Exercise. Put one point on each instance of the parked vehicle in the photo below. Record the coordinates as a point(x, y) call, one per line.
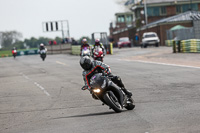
point(104, 89)
point(98, 54)
point(85, 52)
point(124, 42)
point(150, 38)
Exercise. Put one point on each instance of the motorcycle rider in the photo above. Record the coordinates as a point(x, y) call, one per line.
point(14, 51)
point(98, 44)
point(92, 67)
point(84, 44)
point(42, 47)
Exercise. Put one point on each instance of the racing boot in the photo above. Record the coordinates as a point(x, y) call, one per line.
point(127, 92)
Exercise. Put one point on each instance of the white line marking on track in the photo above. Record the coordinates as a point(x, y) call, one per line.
point(61, 63)
point(166, 64)
point(42, 88)
point(38, 85)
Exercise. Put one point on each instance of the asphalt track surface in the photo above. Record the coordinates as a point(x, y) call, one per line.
point(45, 97)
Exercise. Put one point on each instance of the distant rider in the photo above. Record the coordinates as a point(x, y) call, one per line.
point(84, 44)
point(96, 45)
point(14, 51)
point(42, 47)
point(93, 67)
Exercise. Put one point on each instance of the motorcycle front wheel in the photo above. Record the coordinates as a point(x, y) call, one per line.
point(112, 101)
point(130, 105)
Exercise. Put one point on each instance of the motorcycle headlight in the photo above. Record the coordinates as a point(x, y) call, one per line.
point(96, 90)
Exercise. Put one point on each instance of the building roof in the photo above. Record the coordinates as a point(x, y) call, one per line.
point(161, 1)
point(186, 16)
point(153, 3)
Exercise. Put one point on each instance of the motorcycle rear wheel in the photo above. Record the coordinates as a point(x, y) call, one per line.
point(112, 102)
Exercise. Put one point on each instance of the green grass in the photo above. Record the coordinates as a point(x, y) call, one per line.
point(5, 53)
point(8, 53)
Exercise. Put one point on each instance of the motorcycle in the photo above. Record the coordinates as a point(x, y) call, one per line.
point(85, 52)
point(104, 89)
point(98, 54)
point(14, 53)
point(43, 54)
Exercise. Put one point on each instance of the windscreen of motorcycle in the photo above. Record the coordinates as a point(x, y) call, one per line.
point(85, 51)
point(98, 49)
point(97, 81)
point(43, 51)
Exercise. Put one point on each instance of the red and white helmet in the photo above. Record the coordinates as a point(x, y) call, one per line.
point(97, 41)
point(84, 41)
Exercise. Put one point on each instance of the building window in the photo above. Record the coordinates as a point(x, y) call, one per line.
point(186, 7)
point(178, 9)
point(153, 11)
point(121, 19)
point(163, 11)
point(195, 7)
point(129, 18)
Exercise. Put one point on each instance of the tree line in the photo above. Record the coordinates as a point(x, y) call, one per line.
point(10, 39)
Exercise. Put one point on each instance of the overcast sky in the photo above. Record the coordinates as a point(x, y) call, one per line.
point(84, 16)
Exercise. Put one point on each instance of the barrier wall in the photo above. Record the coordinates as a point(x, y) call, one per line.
point(76, 49)
point(59, 49)
point(169, 43)
point(190, 46)
point(22, 52)
point(187, 46)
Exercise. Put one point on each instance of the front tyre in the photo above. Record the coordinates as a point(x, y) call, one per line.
point(130, 104)
point(113, 102)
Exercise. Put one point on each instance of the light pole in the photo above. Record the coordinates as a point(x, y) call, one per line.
point(68, 28)
point(145, 8)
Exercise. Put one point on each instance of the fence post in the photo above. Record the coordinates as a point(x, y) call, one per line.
point(179, 46)
point(174, 46)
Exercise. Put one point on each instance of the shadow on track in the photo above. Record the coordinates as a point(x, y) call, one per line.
point(87, 115)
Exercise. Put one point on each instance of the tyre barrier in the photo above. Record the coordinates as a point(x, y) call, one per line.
point(190, 46)
point(76, 49)
point(169, 43)
point(187, 46)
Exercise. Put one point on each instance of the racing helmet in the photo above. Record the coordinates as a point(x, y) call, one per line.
point(84, 41)
point(97, 41)
point(86, 63)
point(41, 44)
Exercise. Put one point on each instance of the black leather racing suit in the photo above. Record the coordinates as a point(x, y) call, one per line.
point(97, 67)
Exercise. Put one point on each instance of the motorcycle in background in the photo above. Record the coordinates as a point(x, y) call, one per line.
point(98, 54)
point(43, 54)
point(85, 52)
point(14, 53)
